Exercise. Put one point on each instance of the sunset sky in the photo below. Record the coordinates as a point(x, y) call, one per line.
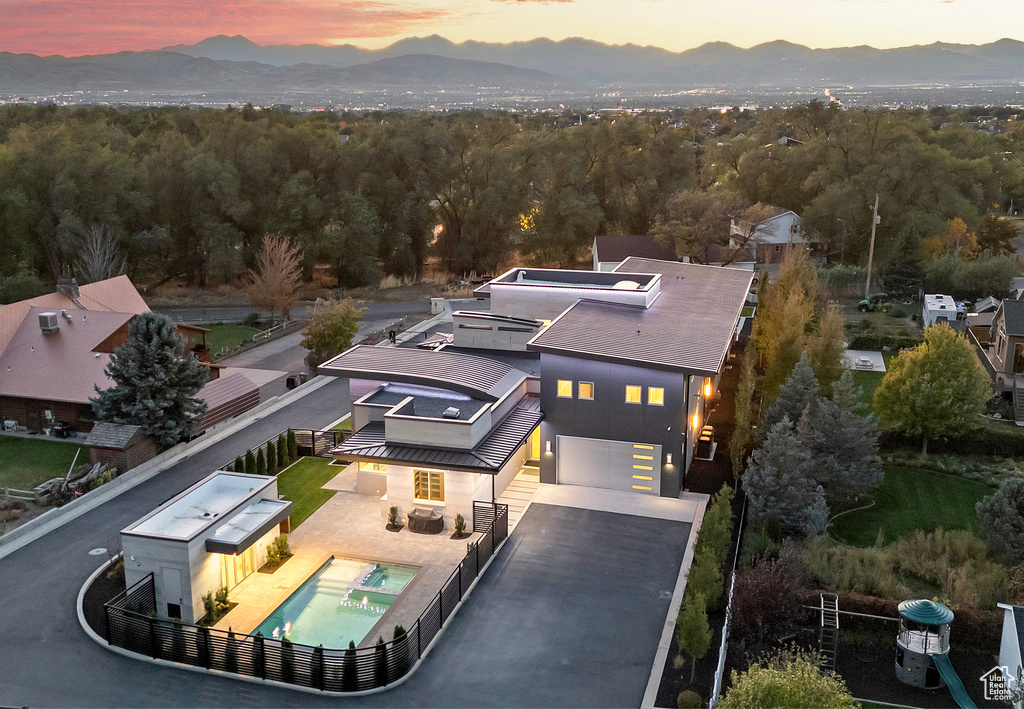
point(75, 27)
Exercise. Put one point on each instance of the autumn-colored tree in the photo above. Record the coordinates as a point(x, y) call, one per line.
point(274, 283)
point(956, 239)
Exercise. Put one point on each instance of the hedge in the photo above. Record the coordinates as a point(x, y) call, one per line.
point(876, 341)
point(990, 441)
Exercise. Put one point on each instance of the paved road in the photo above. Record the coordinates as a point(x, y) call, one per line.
point(374, 312)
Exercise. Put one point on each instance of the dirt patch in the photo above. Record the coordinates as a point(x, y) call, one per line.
point(104, 587)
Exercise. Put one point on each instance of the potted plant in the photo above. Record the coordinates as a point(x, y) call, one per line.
point(393, 525)
point(460, 527)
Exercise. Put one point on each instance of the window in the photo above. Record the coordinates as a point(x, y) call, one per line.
point(373, 467)
point(656, 396)
point(565, 388)
point(778, 248)
point(464, 326)
point(428, 485)
point(586, 390)
point(633, 394)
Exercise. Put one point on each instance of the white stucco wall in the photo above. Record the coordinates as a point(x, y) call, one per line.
point(460, 489)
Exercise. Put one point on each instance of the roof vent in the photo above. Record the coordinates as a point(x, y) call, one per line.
point(48, 323)
point(451, 413)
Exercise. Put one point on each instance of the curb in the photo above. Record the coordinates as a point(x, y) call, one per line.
point(57, 517)
point(658, 669)
point(79, 608)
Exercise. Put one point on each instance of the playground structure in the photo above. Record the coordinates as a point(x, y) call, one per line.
point(922, 649)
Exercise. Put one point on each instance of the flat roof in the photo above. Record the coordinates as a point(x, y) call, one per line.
point(247, 525)
point(566, 278)
point(200, 506)
point(690, 326)
point(478, 377)
point(428, 402)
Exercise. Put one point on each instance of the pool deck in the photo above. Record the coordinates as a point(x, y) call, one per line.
point(350, 525)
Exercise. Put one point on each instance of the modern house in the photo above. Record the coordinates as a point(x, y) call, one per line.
point(211, 536)
point(440, 431)
point(54, 350)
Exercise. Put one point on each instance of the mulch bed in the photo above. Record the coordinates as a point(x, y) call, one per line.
point(101, 591)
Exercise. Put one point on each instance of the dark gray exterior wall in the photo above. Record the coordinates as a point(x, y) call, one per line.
point(608, 416)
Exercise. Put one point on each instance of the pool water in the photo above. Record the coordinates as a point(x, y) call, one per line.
point(339, 603)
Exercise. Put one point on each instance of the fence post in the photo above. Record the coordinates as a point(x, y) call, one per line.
point(152, 636)
point(476, 550)
point(106, 617)
point(460, 579)
point(419, 650)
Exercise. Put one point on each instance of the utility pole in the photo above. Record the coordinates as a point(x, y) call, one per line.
point(871, 249)
point(842, 252)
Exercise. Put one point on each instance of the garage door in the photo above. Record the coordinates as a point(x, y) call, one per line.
point(618, 465)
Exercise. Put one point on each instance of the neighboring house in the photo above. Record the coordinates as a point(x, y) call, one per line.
point(1010, 653)
point(769, 241)
point(54, 350)
point(611, 250)
point(1000, 347)
point(441, 431)
point(211, 536)
point(987, 305)
point(938, 308)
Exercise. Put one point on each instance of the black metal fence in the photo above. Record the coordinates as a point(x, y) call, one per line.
point(319, 443)
point(132, 625)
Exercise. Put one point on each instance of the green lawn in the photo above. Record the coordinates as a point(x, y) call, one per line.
point(911, 499)
point(227, 335)
point(869, 381)
point(747, 311)
point(345, 425)
point(26, 462)
point(302, 484)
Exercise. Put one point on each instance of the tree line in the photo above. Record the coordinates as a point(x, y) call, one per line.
point(188, 194)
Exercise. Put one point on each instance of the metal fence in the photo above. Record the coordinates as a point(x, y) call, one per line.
point(132, 625)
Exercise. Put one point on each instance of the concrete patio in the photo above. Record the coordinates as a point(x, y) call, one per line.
point(350, 525)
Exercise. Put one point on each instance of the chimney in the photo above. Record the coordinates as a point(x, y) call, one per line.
point(68, 287)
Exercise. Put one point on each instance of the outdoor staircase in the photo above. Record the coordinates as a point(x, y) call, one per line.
point(828, 632)
point(1018, 399)
point(519, 493)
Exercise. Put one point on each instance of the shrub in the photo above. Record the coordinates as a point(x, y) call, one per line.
point(765, 601)
point(203, 646)
point(221, 597)
point(278, 551)
point(349, 678)
point(1001, 516)
point(282, 451)
point(393, 516)
point(380, 662)
point(460, 525)
point(251, 320)
point(715, 534)
point(103, 478)
point(789, 679)
point(250, 463)
point(693, 634)
point(293, 447)
point(399, 632)
point(261, 463)
point(287, 660)
point(877, 341)
point(239, 466)
point(689, 699)
point(209, 607)
point(271, 458)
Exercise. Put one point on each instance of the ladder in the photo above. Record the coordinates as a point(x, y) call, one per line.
point(828, 632)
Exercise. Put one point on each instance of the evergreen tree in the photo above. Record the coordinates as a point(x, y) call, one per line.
point(282, 451)
point(155, 382)
point(293, 448)
point(798, 392)
point(779, 481)
point(271, 458)
point(715, 532)
point(1001, 517)
point(250, 463)
point(705, 578)
point(239, 465)
point(693, 634)
point(843, 445)
point(261, 463)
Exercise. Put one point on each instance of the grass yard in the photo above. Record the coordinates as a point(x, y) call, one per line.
point(227, 335)
point(911, 499)
point(302, 483)
point(747, 311)
point(345, 425)
point(869, 381)
point(26, 462)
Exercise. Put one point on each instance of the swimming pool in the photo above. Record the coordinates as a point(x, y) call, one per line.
point(339, 603)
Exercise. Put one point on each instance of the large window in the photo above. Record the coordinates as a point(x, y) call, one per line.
point(633, 394)
point(586, 390)
point(428, 485)
point(565, 388)
point(373, 467)
point(656, 396)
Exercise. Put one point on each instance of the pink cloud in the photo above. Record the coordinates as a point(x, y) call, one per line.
point(75, 27)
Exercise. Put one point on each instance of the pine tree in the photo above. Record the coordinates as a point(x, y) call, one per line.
point(843, 445)
point(239, 466)
point(271, 458)
point(779, 481)
point(693, 634)
point(293, 448)
point(261, 463)
point(282, 451)
point(155, 382)
point(250, 463)
point(798, 392)
point(1001, 517)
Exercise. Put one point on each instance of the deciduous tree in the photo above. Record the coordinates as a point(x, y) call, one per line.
point(274, 283)
point(329, 331)
point(790, 680)
point(693, 634)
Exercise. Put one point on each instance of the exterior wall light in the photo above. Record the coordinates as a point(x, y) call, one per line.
point(668, 459)
point(696, 421)
point(707, 387)
point(547, 446)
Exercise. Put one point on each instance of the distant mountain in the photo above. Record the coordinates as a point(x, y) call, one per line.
point(588, 62)
point(171, 71)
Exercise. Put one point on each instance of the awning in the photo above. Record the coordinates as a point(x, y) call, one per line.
point(241, 531)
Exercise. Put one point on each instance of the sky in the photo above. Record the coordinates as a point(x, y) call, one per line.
point(77, 27)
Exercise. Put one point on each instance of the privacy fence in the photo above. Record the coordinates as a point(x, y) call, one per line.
point(132, 624)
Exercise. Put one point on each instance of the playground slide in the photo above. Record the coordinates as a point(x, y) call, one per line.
point(956, 687)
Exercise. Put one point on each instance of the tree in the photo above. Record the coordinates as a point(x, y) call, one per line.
point(1001, 516)
point(825, 347)
point(100, 256)
point(787, 681)
point(766, 601)
point(843, 445)
point(779, 481)
point(705, 578)
point(155, 382)
point(271, 458)
point(934, 389)
point(798, 392)
point(715, 532)
point(274, 283)
point(293, 446)
point(995, 235)
point(697, 221)
point(261, 462)
point(250, 463)
point(693, 634)
point(743, 434)
point(282, 451)
point(329, 331)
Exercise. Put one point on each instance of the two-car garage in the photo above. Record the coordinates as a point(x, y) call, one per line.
point(616, 465)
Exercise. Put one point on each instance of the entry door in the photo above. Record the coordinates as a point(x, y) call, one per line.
point(616, 465)
point(172, 589)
